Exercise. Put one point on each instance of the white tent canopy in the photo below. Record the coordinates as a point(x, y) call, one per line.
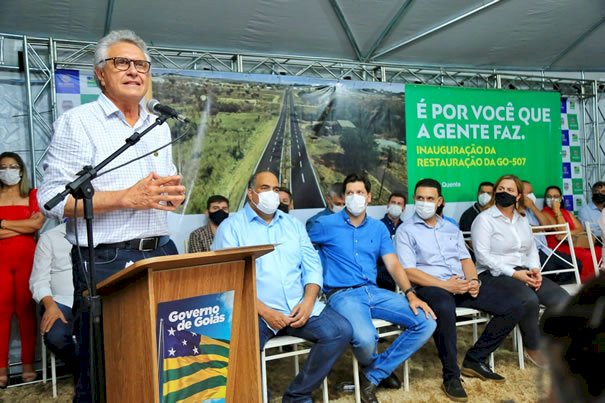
point(538, 35)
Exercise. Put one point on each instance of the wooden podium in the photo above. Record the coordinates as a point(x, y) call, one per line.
point(130, 299)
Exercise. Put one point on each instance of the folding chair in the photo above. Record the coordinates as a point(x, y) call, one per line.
point(278, 343)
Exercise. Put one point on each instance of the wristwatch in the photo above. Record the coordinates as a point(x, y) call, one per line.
point(477, 280)
point(409, 290)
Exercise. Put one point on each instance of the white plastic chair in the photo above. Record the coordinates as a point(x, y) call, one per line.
point(53, 369)
point(278, 343)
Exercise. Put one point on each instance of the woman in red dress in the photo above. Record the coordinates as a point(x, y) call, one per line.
point(554, 207)
point(20, 219)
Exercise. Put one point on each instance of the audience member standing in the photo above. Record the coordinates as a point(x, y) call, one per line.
point(20, 219)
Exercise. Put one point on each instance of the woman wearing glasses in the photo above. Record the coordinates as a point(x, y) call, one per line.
point(553, 206)
point(20, 219)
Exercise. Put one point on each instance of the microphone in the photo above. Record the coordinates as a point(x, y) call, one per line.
point(154, 106)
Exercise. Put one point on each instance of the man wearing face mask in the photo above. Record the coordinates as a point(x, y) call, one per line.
point(536, 217)
point(592, 211)
point(286, 201)
point(288, 281)
point(217, 210)
point(349, 244)
point(435, 258)
point(485, 192)
point(392, 220)
point(335, 202)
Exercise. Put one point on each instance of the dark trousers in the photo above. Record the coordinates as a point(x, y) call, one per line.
point(550, 295)
point(331, 334)
point(60, 341)
point(506, 313)
point(108, 261)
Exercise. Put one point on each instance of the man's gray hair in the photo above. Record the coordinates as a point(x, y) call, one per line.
point(112, 38)
point(335, 190)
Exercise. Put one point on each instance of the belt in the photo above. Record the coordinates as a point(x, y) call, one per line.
point(335, 290)
point(140, 244)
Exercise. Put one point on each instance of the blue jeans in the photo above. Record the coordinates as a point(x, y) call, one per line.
point(550, 295)
point(359, 306)
point(331, 334)
point(59, 338)
point(108, 261)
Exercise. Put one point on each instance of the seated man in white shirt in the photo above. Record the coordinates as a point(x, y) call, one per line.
point(52, 287)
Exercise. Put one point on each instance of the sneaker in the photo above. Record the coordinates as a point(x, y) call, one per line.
point(454, 390)
point(480, 370)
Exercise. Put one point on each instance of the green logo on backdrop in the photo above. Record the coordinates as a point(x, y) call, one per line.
point(577, 186)
point(575, 154)
point(463, 136)
point(572, 122)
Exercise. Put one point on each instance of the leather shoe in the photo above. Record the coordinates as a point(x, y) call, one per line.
point(480, 370)
point(390, 382)
point(454, 390)
point(368, 390)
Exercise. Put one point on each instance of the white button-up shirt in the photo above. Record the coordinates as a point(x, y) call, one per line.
point(86, 135)
point(501, 244)
point(52, 272)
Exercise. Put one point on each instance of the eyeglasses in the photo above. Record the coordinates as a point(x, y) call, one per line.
point(4, 167)
point(123, 64)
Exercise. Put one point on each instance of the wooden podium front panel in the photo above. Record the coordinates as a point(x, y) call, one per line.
point(129, 367)
point(176, 284)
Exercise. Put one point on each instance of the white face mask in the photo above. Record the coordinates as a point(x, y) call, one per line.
point(531, 197)
point(484, 198)
point(425, 210)
point(336, 208)
point(356, 204)
point(10, 176)
point(549, 201)
point(394, 210)
point(268, 201)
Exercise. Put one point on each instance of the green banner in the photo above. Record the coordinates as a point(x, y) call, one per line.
point(462, 137)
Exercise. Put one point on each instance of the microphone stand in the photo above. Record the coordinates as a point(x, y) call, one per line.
point(81, 188)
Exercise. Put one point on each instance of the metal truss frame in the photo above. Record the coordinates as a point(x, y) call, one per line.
point(45, 55)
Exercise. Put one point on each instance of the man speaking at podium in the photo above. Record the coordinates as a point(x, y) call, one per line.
point(130, 203)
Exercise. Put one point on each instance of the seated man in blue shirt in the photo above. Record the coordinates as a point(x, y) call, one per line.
point(436, 259)
point(349, 244)
point(288, 281)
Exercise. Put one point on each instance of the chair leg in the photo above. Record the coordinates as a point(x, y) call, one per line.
point(53, 374)
point(356, 380)
point(492, 365)
point(324, 388)
point(406, 376)
point(44, 369)
point(264, 376)
point(520, 350)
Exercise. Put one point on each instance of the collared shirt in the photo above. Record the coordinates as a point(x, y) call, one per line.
point(52, 270)
point(389, 224)
point(313, 219)
point(501, 244)
point(435, 250)
point(200, 240)
point(591, 213)
point(281, 275)
point(349, 253)
point(86, 135)
point(540, 239)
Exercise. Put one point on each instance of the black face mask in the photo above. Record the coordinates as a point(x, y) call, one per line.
point(218, 216)
point(283, 207)
point(598, 198)
point(504, 199)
